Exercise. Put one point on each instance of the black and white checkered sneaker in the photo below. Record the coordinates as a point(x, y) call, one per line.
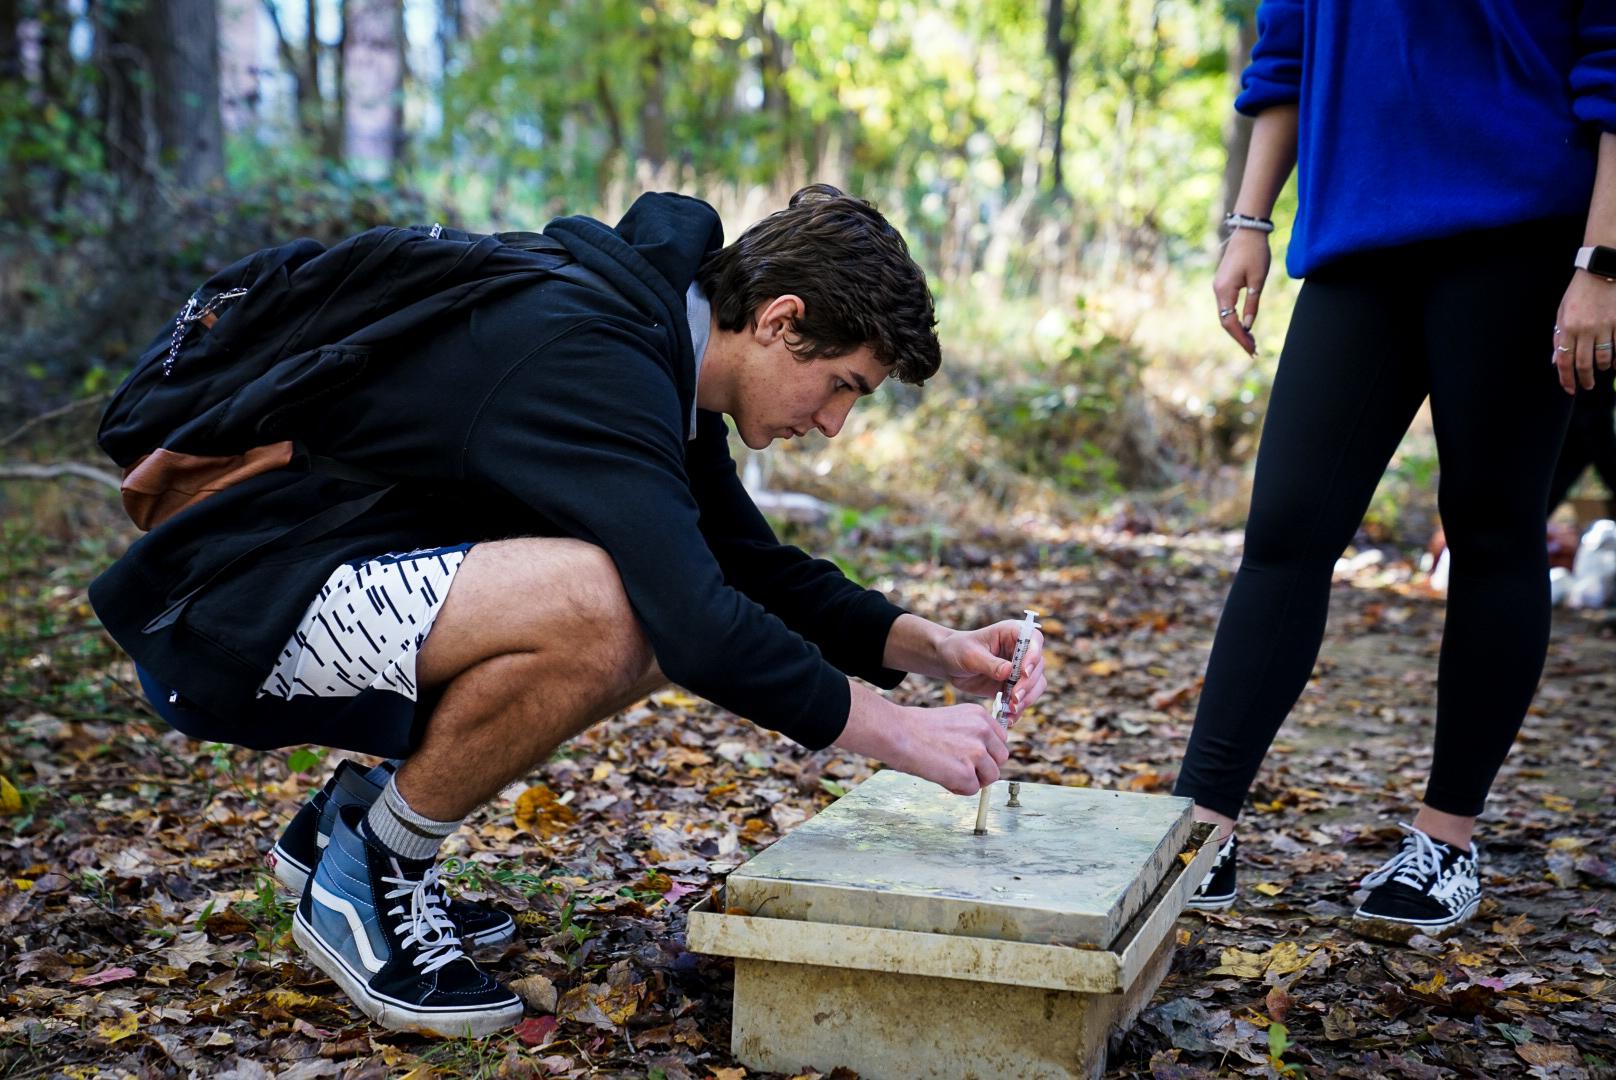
point(1429, 887)
point(1217, 891)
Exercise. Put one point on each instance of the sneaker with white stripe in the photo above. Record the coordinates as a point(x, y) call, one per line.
point(1428, 887)
point(379, 926)
point(481, 927)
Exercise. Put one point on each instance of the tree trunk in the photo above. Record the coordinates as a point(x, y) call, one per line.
point(373, 93)
point(653, 115)
point(1060, 34)
point(160, 62)
point(10, 44)
point(1237, 128)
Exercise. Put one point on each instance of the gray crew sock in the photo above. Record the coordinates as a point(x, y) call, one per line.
point(401, 830)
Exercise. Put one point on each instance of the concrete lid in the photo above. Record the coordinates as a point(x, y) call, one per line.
point(1071, 866)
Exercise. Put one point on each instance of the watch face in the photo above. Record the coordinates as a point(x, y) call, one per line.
point(1602, 261)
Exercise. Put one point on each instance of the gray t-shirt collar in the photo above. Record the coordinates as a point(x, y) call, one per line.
point(699, 314)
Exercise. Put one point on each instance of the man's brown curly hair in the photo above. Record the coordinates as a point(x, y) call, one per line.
point(852, 269)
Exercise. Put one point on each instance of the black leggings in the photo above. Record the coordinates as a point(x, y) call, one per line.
point(1466, 321)
point(1591, 440)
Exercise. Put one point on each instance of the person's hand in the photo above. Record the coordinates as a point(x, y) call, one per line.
point(978, 662)
point(956, 746)
point(1585, 331)
point(1244, 266)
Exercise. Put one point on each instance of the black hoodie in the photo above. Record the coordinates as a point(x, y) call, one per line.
point(557, 409)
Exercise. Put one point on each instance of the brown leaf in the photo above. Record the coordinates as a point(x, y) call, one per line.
point(46, 963)
point(541, 812)
point(1545, 1055)
point(1279, 1003)
point(537, 993)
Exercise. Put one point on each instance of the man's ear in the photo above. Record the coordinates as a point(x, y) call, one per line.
point(776, 318)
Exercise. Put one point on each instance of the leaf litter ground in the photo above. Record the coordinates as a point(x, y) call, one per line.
point(140, 935)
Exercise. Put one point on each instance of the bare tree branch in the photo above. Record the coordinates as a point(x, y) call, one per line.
point(45, 417)
point(25, 470)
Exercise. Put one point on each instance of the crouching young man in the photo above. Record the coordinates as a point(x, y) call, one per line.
point(544, 524)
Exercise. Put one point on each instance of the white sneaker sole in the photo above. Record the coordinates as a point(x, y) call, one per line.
point(1399, 931)
point(399, 1015)
point(1210, 903)
point(293, 875)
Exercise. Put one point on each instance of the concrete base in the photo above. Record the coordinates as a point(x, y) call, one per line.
point(890, 1026)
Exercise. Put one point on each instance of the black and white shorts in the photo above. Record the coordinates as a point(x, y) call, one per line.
point(364, 629)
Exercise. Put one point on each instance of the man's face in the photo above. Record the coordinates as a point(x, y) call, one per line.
point(781, 397)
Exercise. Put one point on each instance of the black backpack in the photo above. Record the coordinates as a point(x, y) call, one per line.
point(216, 397)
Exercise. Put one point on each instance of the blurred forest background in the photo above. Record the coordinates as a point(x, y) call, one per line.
point(1059, 167)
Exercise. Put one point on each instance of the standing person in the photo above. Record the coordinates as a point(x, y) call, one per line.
point(503, 507)
point(1451, 161)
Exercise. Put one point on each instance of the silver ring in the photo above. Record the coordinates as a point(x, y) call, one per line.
point(1606, 345)
point(1224, 313)
point(1562, 348)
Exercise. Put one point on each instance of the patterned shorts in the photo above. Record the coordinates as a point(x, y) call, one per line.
point(364, 629)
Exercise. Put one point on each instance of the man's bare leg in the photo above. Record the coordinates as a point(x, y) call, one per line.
point(535, 642)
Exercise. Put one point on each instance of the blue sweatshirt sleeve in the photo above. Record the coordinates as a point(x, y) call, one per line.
point(1274, 76)
point(1593, 78)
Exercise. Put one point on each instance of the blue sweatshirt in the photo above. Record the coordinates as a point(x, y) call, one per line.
point(1426, 118)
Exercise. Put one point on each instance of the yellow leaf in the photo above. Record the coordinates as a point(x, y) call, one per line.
point(675, 699)
point(1558, 803)
point(22, 883)
point(1268, 888)
point(1104, 667)
point(1241, 964)
point(121, 1028)
point(1473, 959)
point(1282, 959)
point(1567, 843)
point(1548, 996)
point(729, 1074)
point(540, 812)
point(602, 771)
point(10, 799)
point(291, 999)
point(1431, 985)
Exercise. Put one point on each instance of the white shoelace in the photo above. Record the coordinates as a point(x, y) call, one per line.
point(1414, 865)
point(426, 923)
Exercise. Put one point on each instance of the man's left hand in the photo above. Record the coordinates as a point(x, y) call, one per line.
point(978, 662)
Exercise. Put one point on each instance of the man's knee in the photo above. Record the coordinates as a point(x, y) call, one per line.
point(555, 598)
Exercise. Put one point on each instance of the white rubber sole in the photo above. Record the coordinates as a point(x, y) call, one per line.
point(397, 1015)
point(1211, 903)
point(1400, 930)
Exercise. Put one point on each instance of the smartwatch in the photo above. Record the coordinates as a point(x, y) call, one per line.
point(1598, 260)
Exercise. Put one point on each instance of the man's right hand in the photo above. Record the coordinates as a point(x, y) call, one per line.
point(956, 746)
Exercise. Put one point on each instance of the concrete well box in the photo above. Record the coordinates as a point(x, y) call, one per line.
point(884, 936)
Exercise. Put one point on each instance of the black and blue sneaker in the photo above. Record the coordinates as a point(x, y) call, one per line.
point(1217, 890)
point(297, 852)
point(379, 926)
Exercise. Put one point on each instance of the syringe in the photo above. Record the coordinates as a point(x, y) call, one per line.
point(1001, 705)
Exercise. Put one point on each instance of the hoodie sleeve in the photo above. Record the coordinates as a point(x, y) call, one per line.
point(1274, 76)
point(1593, 78)
point(591, 438)
point(848, 623)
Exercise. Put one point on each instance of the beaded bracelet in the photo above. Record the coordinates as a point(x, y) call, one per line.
point(1246, 221)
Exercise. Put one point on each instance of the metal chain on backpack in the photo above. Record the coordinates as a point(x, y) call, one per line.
point(189, 314)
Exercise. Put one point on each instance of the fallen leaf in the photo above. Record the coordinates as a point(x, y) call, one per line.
point(10, 798)
point(535, 1030)
point(536, 991)
point(540, 811)
point(123, 1027)
point(1546, 1055)
point(105, 976)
